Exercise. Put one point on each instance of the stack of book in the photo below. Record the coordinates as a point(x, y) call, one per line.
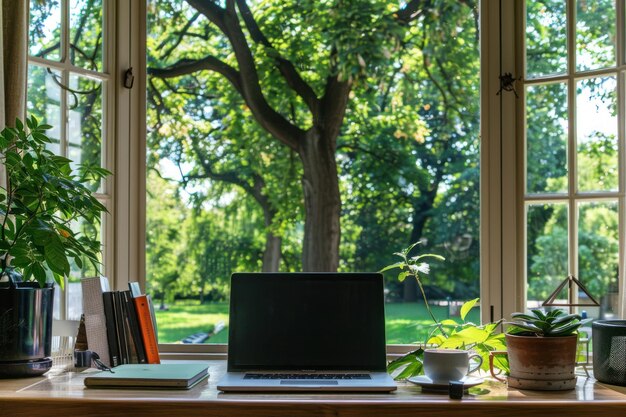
point(131, 332)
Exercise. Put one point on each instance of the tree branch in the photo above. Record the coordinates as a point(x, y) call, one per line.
point(285, 67)
point(412, 10)
point(181, 35)
point(227, 20)
point(211, 63)
point(334, 104)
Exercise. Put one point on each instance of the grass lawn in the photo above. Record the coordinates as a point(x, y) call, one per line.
point(406, 322)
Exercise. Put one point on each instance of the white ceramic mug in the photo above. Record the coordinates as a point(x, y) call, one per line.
point(444, 365)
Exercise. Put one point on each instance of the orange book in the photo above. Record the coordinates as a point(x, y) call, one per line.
point(148, 332)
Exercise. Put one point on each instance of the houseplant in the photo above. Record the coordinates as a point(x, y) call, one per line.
point(44, 196)
point(541, 347)
point(445, 334)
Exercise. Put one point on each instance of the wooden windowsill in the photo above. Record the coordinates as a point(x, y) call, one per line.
point(64, 395)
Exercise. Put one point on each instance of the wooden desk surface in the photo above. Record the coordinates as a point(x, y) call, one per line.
point(65, 395)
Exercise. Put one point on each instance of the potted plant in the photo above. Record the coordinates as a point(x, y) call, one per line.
point(445, 334)
point(44, 196)
point(541, 348)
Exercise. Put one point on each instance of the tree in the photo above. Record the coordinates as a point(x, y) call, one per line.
point(348, 38)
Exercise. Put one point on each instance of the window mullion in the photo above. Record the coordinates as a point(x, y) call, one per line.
point(621, 134)
point(572, 217)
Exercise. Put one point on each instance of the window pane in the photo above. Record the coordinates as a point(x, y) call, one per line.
point(546, 138)
point(598, 248)
point(547, 250)
point(45, 29)
point(44, 101)
point(84, 102)
point(596, 125)
point(86, 34)
point(225, 195)
point(595, 34)
point(93, 231)
point(546, 37)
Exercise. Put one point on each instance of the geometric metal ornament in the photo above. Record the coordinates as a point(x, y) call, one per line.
point(571, 282)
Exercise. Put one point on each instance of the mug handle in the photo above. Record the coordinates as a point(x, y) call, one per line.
point(478, 364)
point(492, 355)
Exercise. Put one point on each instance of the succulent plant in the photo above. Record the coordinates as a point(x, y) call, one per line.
point(552, 324)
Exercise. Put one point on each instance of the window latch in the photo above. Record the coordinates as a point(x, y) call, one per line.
point(129, 78)
point(507, 83)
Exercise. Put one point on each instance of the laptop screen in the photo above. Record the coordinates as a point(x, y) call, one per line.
point(306, 321)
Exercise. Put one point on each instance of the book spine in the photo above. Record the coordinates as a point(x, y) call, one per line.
point(148, 333)
point(133, 326)
point(95, 320)
point(113, 343)
point(120, 326)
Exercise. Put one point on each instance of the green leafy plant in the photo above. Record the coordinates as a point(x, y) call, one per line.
point(446, 334)
point(44, 196)
point(552, 324)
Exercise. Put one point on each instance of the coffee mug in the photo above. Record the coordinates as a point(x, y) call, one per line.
point(444, 365)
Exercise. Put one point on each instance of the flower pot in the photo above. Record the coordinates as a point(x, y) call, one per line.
point(542, 363)
point(25, 329)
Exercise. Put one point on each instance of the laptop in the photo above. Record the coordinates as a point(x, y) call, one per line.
point(168, 375)
point(306, 332)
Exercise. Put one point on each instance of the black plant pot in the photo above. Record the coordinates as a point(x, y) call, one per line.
point(25, 329)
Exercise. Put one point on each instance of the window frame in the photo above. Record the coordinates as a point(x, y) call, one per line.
point(502, 187)
point(108, 79)
point(514, 234)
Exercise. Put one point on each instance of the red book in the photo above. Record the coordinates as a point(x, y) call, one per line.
point(148, 332)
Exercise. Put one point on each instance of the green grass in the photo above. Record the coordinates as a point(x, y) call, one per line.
point(406, 322)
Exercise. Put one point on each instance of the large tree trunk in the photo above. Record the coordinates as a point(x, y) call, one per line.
point(322, 203)
point(421, 213)
point(273, 243)
point(271, 255)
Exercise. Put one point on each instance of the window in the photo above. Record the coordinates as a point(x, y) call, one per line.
point(571, 119)
point(226, 168)
point(71, 88)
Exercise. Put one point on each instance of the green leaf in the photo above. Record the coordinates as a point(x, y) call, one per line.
point(403, 275)
point(392, 266)
point(468, 336)
point(56, 259)
point(466, 307)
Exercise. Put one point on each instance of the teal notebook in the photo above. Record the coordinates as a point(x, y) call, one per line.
point(165, 375)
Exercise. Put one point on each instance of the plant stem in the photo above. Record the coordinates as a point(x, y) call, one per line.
point(432, 316)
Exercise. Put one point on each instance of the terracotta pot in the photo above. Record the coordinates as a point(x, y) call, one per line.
point(542, 363)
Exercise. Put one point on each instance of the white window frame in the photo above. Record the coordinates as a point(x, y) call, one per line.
point(512, 156)
point(108, 79)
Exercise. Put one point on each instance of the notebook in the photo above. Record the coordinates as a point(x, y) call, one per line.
point(169, 375)
point(306, 332)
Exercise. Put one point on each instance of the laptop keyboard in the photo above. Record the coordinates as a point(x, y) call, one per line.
point(299, 376)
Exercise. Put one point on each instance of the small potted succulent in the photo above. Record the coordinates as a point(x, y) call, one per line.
point(541, 347)
point(44, 196)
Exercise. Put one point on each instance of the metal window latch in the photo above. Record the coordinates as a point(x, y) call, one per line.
point(129, 78)
point(507, 83)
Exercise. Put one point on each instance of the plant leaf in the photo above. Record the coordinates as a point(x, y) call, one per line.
point(466, 307)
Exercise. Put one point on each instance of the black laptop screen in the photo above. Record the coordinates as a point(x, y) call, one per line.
point(324, 321)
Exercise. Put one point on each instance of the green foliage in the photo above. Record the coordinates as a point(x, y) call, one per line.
point(43, 199)
point(446, 334)
point(414, 107)
point(458, 335)
point(552, 324)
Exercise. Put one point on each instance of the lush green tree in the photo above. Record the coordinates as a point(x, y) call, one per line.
point(295, 64)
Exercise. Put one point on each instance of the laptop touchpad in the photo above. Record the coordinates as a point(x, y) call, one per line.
point(296, 382)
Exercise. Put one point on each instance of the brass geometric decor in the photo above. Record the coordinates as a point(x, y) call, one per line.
point(572, 282)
